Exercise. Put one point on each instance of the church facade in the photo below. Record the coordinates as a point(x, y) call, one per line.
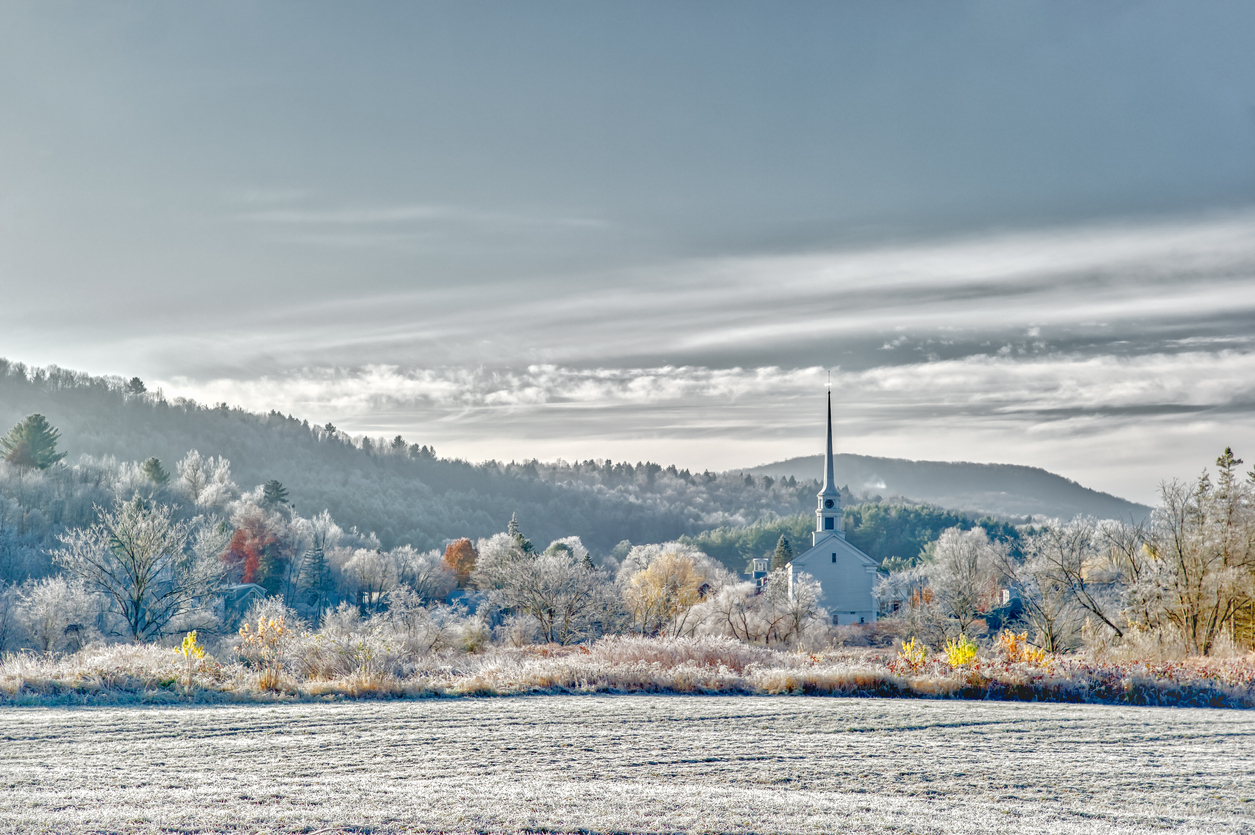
point(846, 575)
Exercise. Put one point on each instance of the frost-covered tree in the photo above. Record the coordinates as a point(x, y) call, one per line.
point(962, 576)
point(371, 575)
point(770, 615)
point(261, 549)
point(1056, 583)
point(316, 539)
point(568, 600)
point(797, 602)
point(57, 613)
point(662, 583)
point(206, 480)
point(1196, 568)
point(157, 573)
point(424, 573)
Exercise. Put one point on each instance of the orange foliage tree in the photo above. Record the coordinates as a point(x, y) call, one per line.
point(460, 557)
point(258, 551)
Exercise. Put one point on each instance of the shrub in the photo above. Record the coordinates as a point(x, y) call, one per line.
point(913, 654)
point(961, 652)
point(1017, 649)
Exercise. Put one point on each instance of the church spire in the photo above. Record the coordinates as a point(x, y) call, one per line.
point(829, 487)
point(828, 513)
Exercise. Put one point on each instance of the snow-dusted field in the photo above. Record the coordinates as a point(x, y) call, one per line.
point(629, 764)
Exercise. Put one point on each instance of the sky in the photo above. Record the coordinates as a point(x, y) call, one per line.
point(1013, 232)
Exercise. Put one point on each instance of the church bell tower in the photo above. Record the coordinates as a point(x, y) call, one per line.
point(828, 512)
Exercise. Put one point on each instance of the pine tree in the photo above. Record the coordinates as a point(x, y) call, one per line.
point(154, 472)
point(524, 544)
point(315, 580)
point(783, 555)
point(136, 386)
point(32, 444)
point(274, 494)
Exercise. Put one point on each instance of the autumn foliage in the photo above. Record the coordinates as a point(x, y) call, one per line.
point(257, 552)
point(460, 557)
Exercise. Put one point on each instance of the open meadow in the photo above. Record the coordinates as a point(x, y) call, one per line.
point(628, 764)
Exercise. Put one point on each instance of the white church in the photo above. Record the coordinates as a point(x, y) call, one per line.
point(845, 574)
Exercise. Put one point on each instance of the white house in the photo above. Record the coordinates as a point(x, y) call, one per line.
point(845, 574)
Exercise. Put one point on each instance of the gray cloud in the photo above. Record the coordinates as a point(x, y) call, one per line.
point(642, 232)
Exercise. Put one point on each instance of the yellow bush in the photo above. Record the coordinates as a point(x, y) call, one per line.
point(192, 651)
point(913, 654)
point(1017, 648)
point(265, 647)
point(961, 652)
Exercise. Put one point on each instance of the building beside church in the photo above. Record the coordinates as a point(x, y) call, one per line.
point(846, 575)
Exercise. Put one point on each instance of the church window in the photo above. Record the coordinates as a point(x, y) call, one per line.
point(834, 557)
point(828, 523)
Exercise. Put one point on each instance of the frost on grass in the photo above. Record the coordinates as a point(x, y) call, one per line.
point(627, 764)
point(352, 667)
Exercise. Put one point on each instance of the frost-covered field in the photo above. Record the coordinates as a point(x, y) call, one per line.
point(628, 764)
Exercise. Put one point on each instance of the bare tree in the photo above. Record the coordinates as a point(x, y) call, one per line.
point(567, 598)
point(155, 571)
point(794, 610)
point(57, 613)
point(205, 480)
point(1198, 564)
point(425, 573)
point(961, 576)
point(372, 574)
point(1052, 581)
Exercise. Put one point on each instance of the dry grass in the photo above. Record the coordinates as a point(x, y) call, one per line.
point(151, 674)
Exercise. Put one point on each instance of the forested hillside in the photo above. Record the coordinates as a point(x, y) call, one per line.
point(406, 494)
point(402, 491)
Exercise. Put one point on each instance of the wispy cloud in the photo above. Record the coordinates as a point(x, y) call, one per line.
point(409, 214)
point(949, 409)
point(1065, 349)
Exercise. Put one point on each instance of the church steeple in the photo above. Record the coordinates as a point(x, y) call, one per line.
point(828, 513)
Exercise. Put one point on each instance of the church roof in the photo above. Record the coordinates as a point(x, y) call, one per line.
point(833, 544)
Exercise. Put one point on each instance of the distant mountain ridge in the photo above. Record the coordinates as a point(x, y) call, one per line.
point(998, 489)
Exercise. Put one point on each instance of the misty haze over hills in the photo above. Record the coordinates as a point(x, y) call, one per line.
point(998, 489)
point(407, 494)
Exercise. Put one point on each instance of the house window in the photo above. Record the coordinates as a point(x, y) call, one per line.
point(828, 520)
point(834, 557)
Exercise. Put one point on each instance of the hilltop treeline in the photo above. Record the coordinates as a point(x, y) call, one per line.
point(399, 489)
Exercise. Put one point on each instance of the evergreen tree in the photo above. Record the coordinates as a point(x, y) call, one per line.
point(783, 555)
point(274, 494)
point(32, 444)
point(524, 544)
point(136, 386)
point(316, 580)
point(154, 472)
